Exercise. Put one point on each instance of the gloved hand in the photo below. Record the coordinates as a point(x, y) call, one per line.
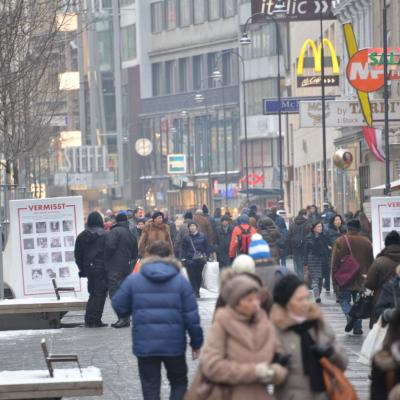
point(271, 373)
point(82, 274)
point(388, 314)
point(322, 350)
point(281, 359)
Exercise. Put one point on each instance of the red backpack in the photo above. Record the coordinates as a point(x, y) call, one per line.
point(244, 240)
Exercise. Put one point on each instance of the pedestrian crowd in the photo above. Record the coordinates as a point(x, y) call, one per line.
point(269, 338)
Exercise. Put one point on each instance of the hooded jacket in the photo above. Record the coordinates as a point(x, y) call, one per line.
point(223, 241)
point(154, 232)
point(163, 308)
point(299, 223)
point(234, 239)
point(270, 233)
point(89, 249)
point(297, 385)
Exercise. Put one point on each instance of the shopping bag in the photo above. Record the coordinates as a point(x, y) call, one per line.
point(373, 342)
point(211, 276)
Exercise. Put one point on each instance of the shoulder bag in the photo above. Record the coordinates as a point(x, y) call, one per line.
point(349, 268)
point(198, 256)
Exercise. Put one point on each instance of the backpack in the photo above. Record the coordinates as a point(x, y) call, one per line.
point(244, 240)
point(297, 238)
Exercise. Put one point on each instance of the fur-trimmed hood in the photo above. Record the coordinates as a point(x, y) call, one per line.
point(160, 269)
point(281, 318)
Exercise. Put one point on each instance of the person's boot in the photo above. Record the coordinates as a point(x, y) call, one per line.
point(122, 323)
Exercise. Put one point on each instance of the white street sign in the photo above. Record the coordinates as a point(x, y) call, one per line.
point(344, 113)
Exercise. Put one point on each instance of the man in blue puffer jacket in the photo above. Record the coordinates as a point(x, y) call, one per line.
point(163, 308)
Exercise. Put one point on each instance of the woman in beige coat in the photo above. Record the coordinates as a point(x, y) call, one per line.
point(236, 361)
point(307, 337)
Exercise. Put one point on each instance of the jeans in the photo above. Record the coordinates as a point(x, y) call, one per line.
point(195, 273)
point(316, 286)
point(298, 260)
point(97, 288)
point(150, 376)
point(345, 297)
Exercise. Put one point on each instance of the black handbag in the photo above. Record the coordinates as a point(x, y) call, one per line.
point(198, 256)
point(362, 307)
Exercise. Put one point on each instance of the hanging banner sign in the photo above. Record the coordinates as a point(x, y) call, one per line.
point(295, 10)
point(176, 164)
point(41, 245)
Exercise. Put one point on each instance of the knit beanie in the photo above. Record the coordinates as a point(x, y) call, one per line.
point(237, 288)
point(95, 219)
point(188, 215)
point(157, 214)
point(285, 288)
point(259, 248)
point(393, 237)
point(243, 219)
point(121, 216)
point(244, 263)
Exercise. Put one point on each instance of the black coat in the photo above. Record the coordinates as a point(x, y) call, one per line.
point(316, 253)
point(121, 249)
point(199, 243)
point(389, 295)
point(223, 241)
point(334, 234)
point(89, 249)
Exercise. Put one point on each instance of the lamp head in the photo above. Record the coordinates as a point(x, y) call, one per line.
point(198, 98)
point(280, 7)
point(184, 113)
point(217, 74)
point(245, 39)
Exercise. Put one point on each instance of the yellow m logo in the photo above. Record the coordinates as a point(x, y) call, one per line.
point(317, 56)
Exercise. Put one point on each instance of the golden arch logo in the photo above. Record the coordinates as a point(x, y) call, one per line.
point(317, 56)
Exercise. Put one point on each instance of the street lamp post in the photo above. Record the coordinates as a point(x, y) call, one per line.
point(280, 8)
point(386, 98)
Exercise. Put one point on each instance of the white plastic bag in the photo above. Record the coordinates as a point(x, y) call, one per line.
point(373, 342)
point(211, 276)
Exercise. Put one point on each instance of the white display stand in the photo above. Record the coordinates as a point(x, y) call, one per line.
point(41, 246)
point(385, 213)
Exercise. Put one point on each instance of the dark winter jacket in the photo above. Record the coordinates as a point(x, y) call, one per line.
point(121, 249)
point(199, 243)
point(316, 253)
point(163, 309)
point(297, 235)
point(89, 249)
point(362, 251)
point(180, 237)
point(334, 234)
point(382, 270)
point(223, 241)
point(270, 233)
point(389, 297)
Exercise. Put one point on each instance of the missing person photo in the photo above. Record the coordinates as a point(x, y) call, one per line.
point(37, 274)
point(69, 241)
point(43, 258)
point(55, 242)
point(54, 226)
point(30, 259)
point(56, 257)
point(386, 222)
point(29, 244)
point(69, 256)
point(27, 229)
point(50, 273)
point(68, 226)
point(64, 272)
point(42, 243)
point(41, 227)
point(396, 221)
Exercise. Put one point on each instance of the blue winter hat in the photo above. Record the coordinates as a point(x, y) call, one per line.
point(121, 216)
point(259, 248)
point(243, 219)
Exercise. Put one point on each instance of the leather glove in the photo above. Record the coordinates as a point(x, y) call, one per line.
point(82, 274)
point(281, 359)
point(322, 350)
point(388, 314)
point(271, 373)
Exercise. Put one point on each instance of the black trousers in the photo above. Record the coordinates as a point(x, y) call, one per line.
point(195, 273)
point(326, 274)
point(114, 281)
point(150, 376)
point(97, 288)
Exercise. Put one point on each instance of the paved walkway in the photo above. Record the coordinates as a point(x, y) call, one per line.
point(110, 350)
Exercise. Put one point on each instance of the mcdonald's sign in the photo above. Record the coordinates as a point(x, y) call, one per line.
point(316, 64)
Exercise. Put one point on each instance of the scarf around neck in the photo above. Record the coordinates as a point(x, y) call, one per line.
point(311, 365)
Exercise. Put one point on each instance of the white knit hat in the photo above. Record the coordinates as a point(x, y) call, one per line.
point(259, 248)
point(244, 263)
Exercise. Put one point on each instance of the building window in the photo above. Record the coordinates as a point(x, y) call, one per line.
point(230, 68)
point(170, 14)
point(156, 79)
point(183, 75)
point(211, 64)
point(185, 13)
point(263, 42)
point(197, 72)
point(128, 42)
point(214, 9)
point(199, 11)
point(258, 90)
point(124, 3)
point(171, 77)
point(157, 17)
point(229, 8)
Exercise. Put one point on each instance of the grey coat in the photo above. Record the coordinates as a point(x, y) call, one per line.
point(297, 385)
point(316, 254)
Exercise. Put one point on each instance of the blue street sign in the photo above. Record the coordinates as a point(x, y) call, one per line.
point(289, 105)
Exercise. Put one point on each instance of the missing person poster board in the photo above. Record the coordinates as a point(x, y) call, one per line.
point(385, 212)
point(42, 240)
